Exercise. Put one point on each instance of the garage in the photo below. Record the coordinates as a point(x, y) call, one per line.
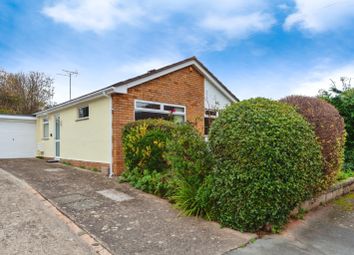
point(17, 136)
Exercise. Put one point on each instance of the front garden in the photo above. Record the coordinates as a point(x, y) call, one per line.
point(263, 159)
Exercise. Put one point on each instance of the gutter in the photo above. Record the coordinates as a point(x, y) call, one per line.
point(17, 117)
point(78, 100)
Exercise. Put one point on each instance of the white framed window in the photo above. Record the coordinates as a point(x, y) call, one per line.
point(209, 116)
point(45, 128)
point(157, 110)
point(83, 112)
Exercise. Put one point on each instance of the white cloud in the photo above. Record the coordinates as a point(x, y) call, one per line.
point(239, 26)
point(94, 15)
point(320, 15)
point(232, 18)
point(320, 78)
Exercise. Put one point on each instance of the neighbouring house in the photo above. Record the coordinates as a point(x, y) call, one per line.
point(86, 131)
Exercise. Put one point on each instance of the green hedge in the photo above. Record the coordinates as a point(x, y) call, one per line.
point(267, 162)
point(262, 162)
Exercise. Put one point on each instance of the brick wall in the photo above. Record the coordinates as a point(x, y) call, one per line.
point(102, 167)
point(183, 87)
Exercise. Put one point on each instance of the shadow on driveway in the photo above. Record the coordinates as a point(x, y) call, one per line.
point(122, 218)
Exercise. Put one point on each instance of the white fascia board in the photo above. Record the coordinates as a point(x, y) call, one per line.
point(16, 117)
point(123, 89)
point(98, 94)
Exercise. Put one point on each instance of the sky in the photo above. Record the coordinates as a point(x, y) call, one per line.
point(256, 48)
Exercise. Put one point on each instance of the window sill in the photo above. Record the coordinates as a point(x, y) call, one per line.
point(45, 138)
point(81, 119)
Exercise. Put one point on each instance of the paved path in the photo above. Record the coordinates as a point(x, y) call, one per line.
point(27, 226)
point(326, 231)
point(144, 224)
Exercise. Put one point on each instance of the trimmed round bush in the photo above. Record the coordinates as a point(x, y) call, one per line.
point(329, 129)
point(191, 162)
point(267, 162)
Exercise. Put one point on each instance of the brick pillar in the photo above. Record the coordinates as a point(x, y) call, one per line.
point(123, 107)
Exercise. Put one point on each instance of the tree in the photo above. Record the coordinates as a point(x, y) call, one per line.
point(25, 93)
point(343, 100)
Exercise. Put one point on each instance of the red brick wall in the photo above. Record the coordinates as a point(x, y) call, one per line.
point(102, 167)
point(183, 87)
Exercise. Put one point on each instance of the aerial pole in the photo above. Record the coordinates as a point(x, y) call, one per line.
point(69, 74)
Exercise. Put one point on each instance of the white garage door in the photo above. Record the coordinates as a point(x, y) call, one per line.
point(17, 136)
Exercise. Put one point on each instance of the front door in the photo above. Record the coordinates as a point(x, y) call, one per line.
point(57, 137)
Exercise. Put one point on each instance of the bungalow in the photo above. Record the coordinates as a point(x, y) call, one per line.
point(86, 131)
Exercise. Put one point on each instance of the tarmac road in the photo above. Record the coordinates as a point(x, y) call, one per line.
point(328, 230)
point(27, 226)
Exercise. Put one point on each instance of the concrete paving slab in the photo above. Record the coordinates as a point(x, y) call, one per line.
point(115, 195)
point(70, 198)
point(86, 204)
point(53, 170)
point(143, 225)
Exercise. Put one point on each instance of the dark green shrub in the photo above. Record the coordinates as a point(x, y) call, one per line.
point(191, 162)
point(349, 159)
point(329, 129)
point(144, 145)
point(267, 162)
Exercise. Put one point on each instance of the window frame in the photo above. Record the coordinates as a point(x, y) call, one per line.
point(209, 116)
point(78, 113)
point(161, 110)
point(45, 122)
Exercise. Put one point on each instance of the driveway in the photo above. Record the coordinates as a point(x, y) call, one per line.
point(27, 226)
point(328, 230)
point(121, 218)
